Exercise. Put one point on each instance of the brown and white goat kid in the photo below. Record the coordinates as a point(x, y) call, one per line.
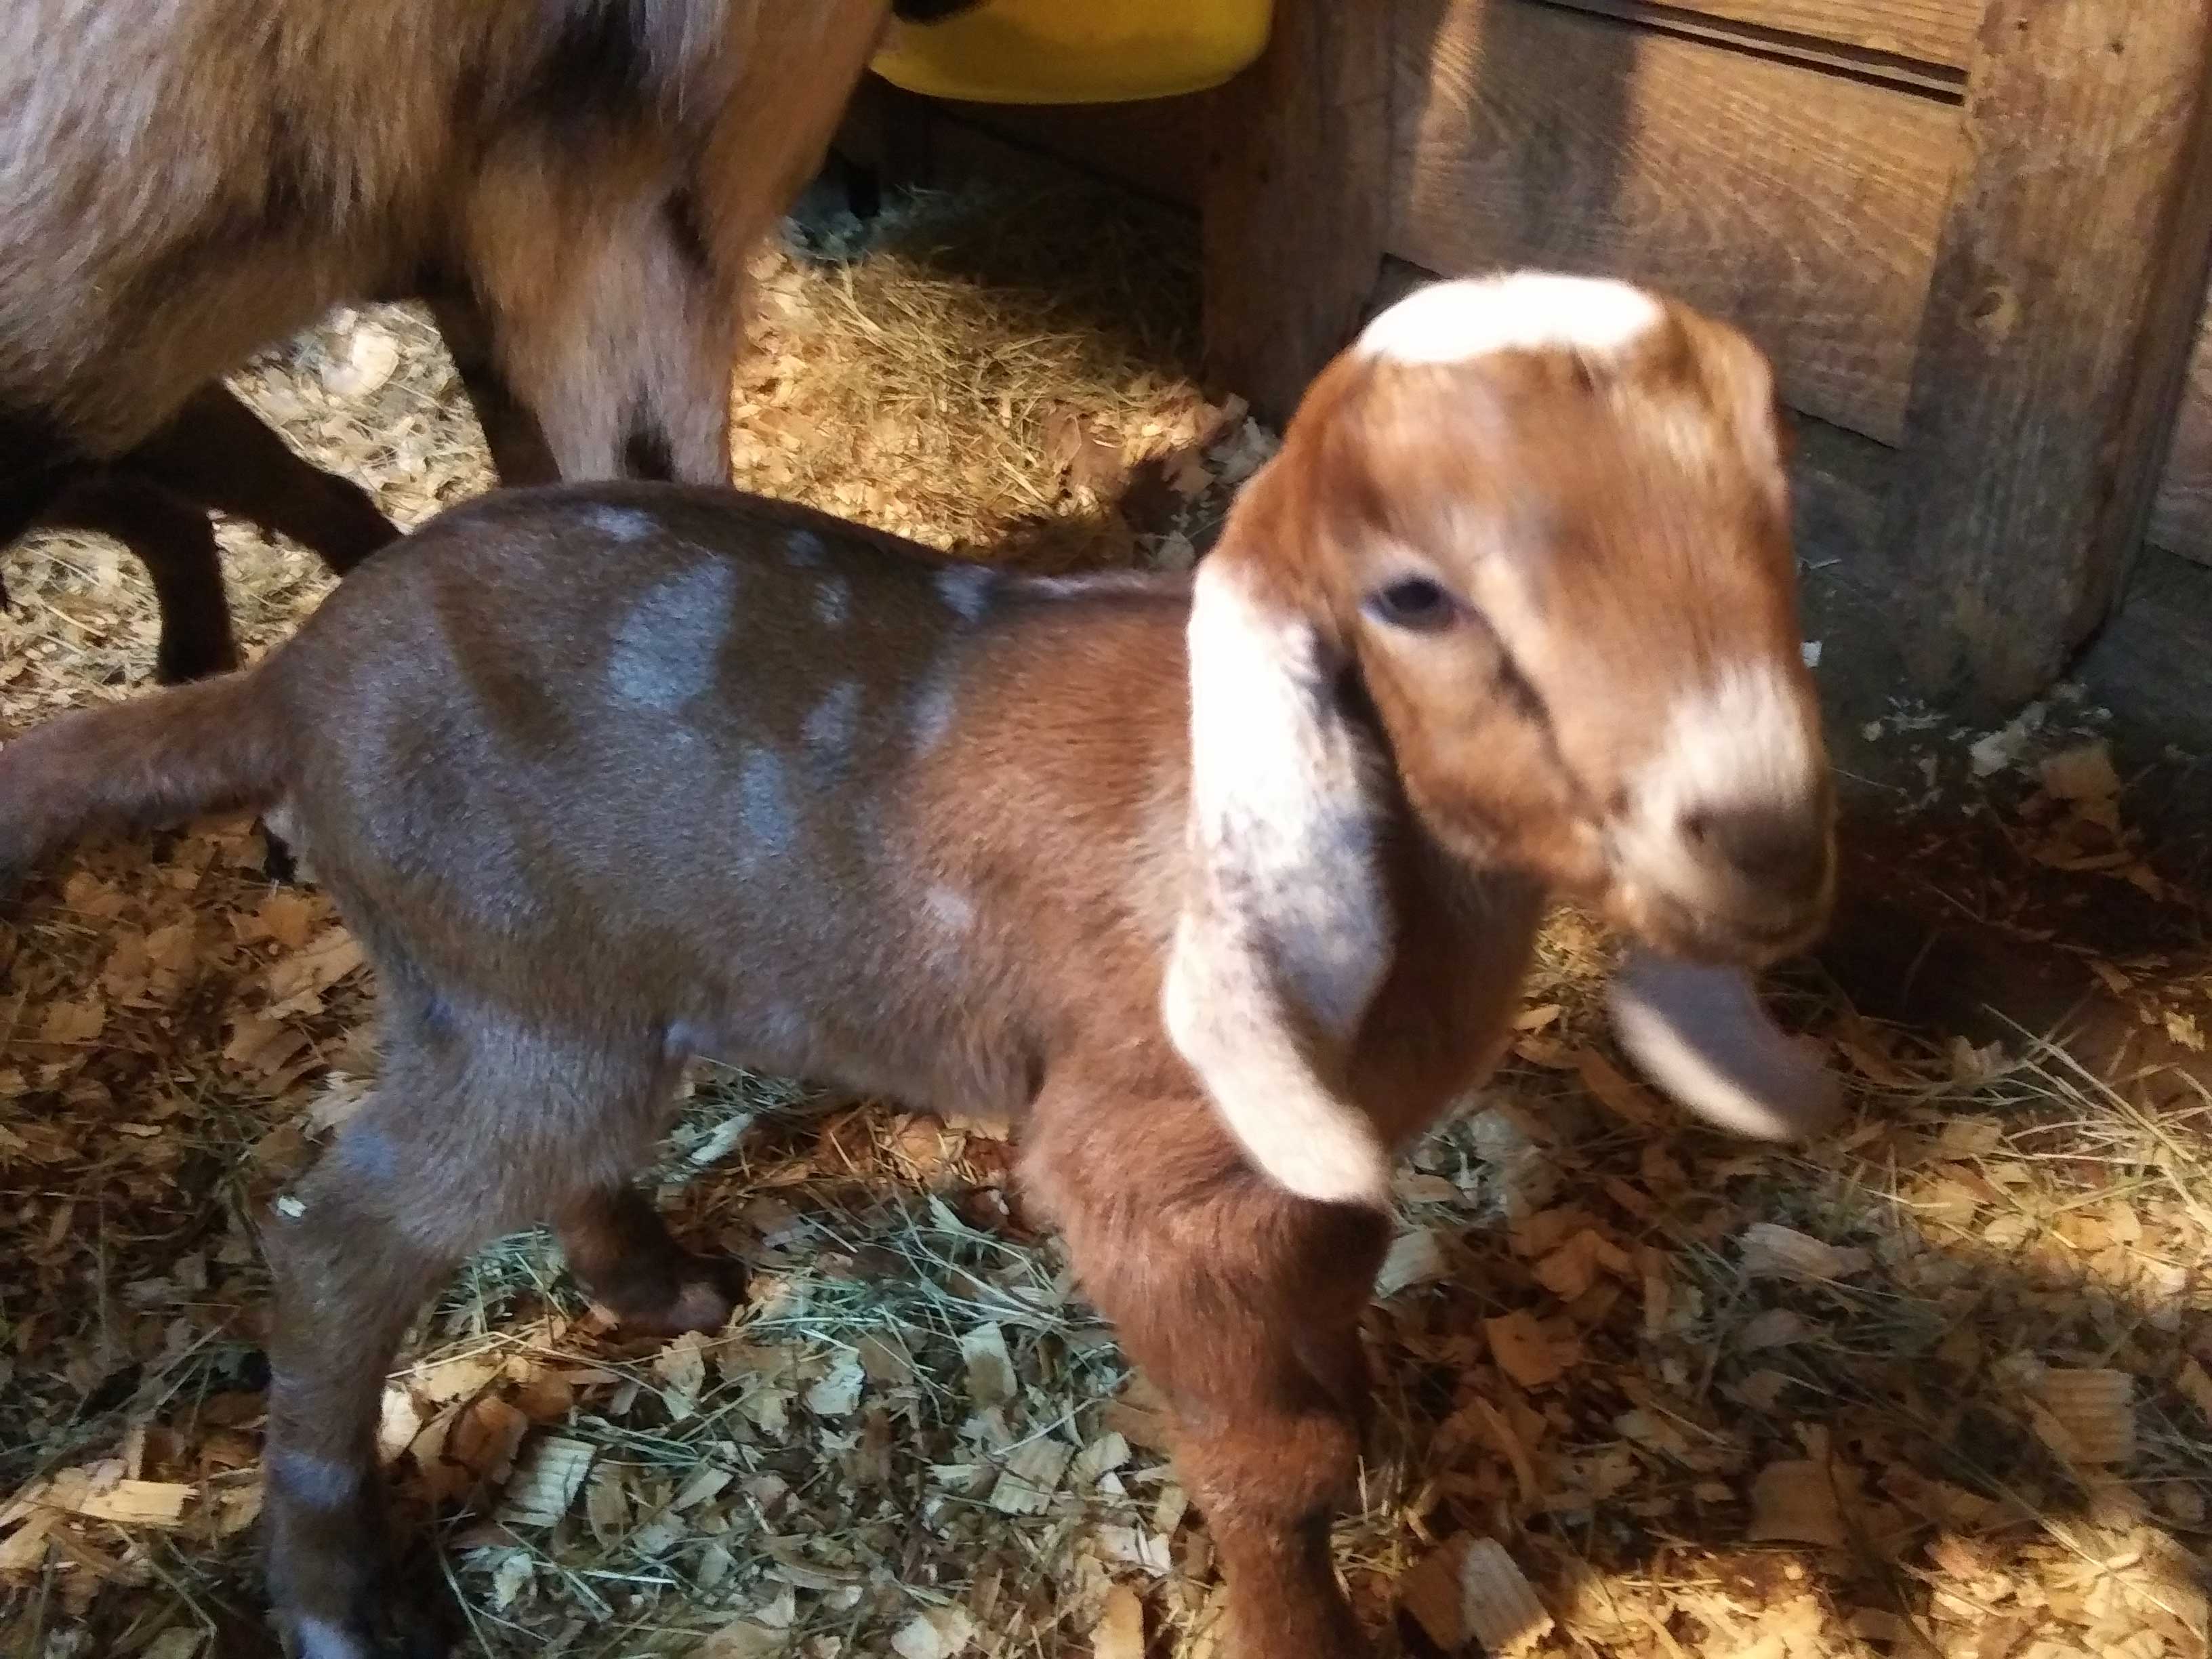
point(606, 777)
point(576, 184)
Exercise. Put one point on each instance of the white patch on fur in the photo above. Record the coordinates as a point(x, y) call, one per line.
point(966, 588)
point(1741, 742)
point(1091, 582)
point(829, 726)
point(282, 818)
point(320, 1482)
point(280, 824)
point(1702, 1035)
point(1474, 317)
point(764, 805)
point(952, 911)
point(319, 1638)
point(1285, 932)
point(932, 712)
point(668, 644)
point(833, 598)
point(623, 524)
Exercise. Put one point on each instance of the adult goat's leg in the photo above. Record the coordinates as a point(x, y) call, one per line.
point(620, 345)
point(520, 453)
point(174, 539)
point(218, 452)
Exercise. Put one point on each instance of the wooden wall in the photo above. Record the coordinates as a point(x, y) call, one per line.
point(1802, 203)
point(2183, 521)
point(1794, 165)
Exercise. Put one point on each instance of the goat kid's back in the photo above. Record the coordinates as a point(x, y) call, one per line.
point(753, 781)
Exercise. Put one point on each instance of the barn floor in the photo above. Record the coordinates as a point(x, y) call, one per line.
point(1938, 1385)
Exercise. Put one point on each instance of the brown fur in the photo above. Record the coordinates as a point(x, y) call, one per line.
point(605, 777)
point(579, 182)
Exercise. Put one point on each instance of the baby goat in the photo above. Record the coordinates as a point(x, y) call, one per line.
point(1202, 880)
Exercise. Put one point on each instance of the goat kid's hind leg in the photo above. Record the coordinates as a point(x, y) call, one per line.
point(468, 1136)
point(1242, 1304)
point(174, 540)
point(621, 1249)
point(352, 1267)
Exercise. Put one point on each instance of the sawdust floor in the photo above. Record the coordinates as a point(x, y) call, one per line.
point(1937, 1385)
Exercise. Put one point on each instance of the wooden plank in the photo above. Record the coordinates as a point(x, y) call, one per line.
point(1916, 73)
point(1926, 31)
point(1801, 205)
point(1157, 148)
point(2152, 665)
point(2067, 290)
point(2182, 520)
point(1295, 200)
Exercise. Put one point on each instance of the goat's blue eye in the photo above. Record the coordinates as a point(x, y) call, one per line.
point(1414, 603)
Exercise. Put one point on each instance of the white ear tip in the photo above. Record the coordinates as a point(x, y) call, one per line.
point(1703, 1035)
point(1342, 1165)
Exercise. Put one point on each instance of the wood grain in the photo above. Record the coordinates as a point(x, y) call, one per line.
point(1156, 148)
point(2181, 522)
point(1295, 200)
point(2067, 290)
point(1923, 75)
point(1928, 31)
point(1803, 205)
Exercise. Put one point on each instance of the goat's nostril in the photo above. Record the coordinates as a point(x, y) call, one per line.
point(1784, 852)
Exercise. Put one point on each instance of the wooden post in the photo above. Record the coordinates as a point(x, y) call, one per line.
point(2067, 283)
point(1296, 199)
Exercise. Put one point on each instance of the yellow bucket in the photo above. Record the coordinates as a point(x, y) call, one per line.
point(1076, 51)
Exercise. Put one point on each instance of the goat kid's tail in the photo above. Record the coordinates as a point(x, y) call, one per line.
point(213, 746)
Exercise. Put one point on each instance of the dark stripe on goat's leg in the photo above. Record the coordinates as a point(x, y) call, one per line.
point(520, 453)
point(646, 453)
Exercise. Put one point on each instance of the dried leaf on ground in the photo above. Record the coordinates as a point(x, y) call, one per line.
point(1773, 1251)
point(546, 1481)
point(1795, 1501)
point(1471, 1590)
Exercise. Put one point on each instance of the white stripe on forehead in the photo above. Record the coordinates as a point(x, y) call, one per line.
point(1521, 311)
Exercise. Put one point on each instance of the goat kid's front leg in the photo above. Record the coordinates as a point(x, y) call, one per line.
point(1242, 1304)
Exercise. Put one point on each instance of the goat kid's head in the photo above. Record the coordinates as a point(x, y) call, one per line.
point(1540, 523)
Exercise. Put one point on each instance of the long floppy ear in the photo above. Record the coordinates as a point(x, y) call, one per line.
point(1702, 1034)
point(1286, 932)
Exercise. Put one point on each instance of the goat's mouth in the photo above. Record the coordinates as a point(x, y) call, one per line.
point(1739, 935)
point(1740, 888)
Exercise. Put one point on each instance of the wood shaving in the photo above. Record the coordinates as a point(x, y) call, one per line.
point(1471, 1590)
